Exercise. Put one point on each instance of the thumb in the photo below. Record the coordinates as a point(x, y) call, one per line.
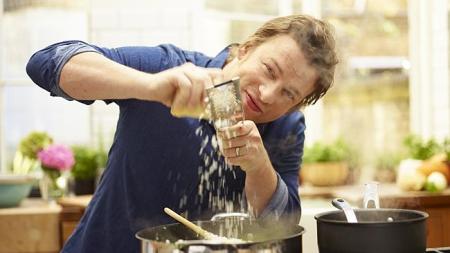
point(216, 75)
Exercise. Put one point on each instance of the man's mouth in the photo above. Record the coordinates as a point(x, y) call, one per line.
point(252, 104)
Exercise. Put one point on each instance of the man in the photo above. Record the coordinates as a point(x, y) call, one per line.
point(160, 160)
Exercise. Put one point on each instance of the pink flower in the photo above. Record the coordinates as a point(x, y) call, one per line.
point(58, 157)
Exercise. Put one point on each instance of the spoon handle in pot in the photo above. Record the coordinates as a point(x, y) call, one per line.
point(187, 223)
point(344, 206)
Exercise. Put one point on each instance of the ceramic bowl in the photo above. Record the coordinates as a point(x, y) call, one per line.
point(14, 188)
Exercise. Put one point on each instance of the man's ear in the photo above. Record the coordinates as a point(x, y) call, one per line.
point(243, 51)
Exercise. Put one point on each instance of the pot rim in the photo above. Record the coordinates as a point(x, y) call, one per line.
point(422, 216)
point(212, 242)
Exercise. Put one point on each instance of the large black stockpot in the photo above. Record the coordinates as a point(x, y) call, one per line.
point(377, 231)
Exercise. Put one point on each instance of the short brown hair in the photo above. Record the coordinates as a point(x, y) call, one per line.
point(315, 39)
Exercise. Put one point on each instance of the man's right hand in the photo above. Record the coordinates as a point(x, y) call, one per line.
point(183, 88)
point(91, 76)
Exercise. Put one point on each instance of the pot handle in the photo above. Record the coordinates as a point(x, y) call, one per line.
point(348, 210)
point(220, 216)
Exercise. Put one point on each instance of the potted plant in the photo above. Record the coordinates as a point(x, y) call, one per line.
point(84, 172)
point(34, 142)
point(55, 161)
point(28, 148)
point(385, 167)
point(326, 164)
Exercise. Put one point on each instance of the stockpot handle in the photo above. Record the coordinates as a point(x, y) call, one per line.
point(220, 216)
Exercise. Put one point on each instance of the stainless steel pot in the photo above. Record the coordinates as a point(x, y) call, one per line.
point(267, 238)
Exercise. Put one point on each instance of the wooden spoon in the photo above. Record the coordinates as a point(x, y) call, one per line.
point(207, 235)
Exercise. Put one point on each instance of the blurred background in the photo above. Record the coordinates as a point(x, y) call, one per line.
point(393, 79)
point(387, 117)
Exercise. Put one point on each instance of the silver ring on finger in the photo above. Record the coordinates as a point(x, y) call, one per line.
point(237, 151)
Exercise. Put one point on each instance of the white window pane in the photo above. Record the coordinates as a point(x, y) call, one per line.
point(29, 108)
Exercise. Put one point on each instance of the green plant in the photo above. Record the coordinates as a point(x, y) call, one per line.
point(34, 142)
point(320, 152)
point(420, 149)
point(446, 147)
point(388, 161)
point(102, 158)
point(86, 163)
point(23, 165)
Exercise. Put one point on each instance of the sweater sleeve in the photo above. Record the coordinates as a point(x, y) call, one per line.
point(45, 66)
point(284, 141)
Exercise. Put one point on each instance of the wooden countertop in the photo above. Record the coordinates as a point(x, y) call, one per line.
point(31, 206)
point(31, 227)
point(75, 201)
point(73, 207)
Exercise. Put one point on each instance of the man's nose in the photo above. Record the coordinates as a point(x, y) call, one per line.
point(268, 92)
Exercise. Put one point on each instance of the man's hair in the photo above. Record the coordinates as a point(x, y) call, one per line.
point(315, 39)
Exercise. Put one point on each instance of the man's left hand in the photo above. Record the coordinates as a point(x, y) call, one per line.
point(242, 145)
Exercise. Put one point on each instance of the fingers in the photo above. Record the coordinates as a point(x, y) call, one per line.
point(242, 145)
point(199, 80)
point(240, 129)
point(236, 141)
point(183, 92)
point(216, 75)
point(235, 152)
point(191, 85)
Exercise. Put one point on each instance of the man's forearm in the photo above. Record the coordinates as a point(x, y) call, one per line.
point(90, 76)
point(260, 185)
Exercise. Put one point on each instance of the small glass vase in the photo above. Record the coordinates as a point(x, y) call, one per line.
point(52, 184)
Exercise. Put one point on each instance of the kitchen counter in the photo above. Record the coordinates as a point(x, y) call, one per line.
point(72, 211)
point(310, 208)
point(31, 227)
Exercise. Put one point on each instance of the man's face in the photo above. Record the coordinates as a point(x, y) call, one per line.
point(274, 77)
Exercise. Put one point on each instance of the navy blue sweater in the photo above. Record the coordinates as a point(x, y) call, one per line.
point(158, 160)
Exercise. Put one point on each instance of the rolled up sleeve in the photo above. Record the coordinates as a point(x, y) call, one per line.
point(45, 66)
point(284, 140)
point(278, 201)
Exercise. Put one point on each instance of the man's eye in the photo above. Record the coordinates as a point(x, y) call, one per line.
point(270, 71)
point(289, 94)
